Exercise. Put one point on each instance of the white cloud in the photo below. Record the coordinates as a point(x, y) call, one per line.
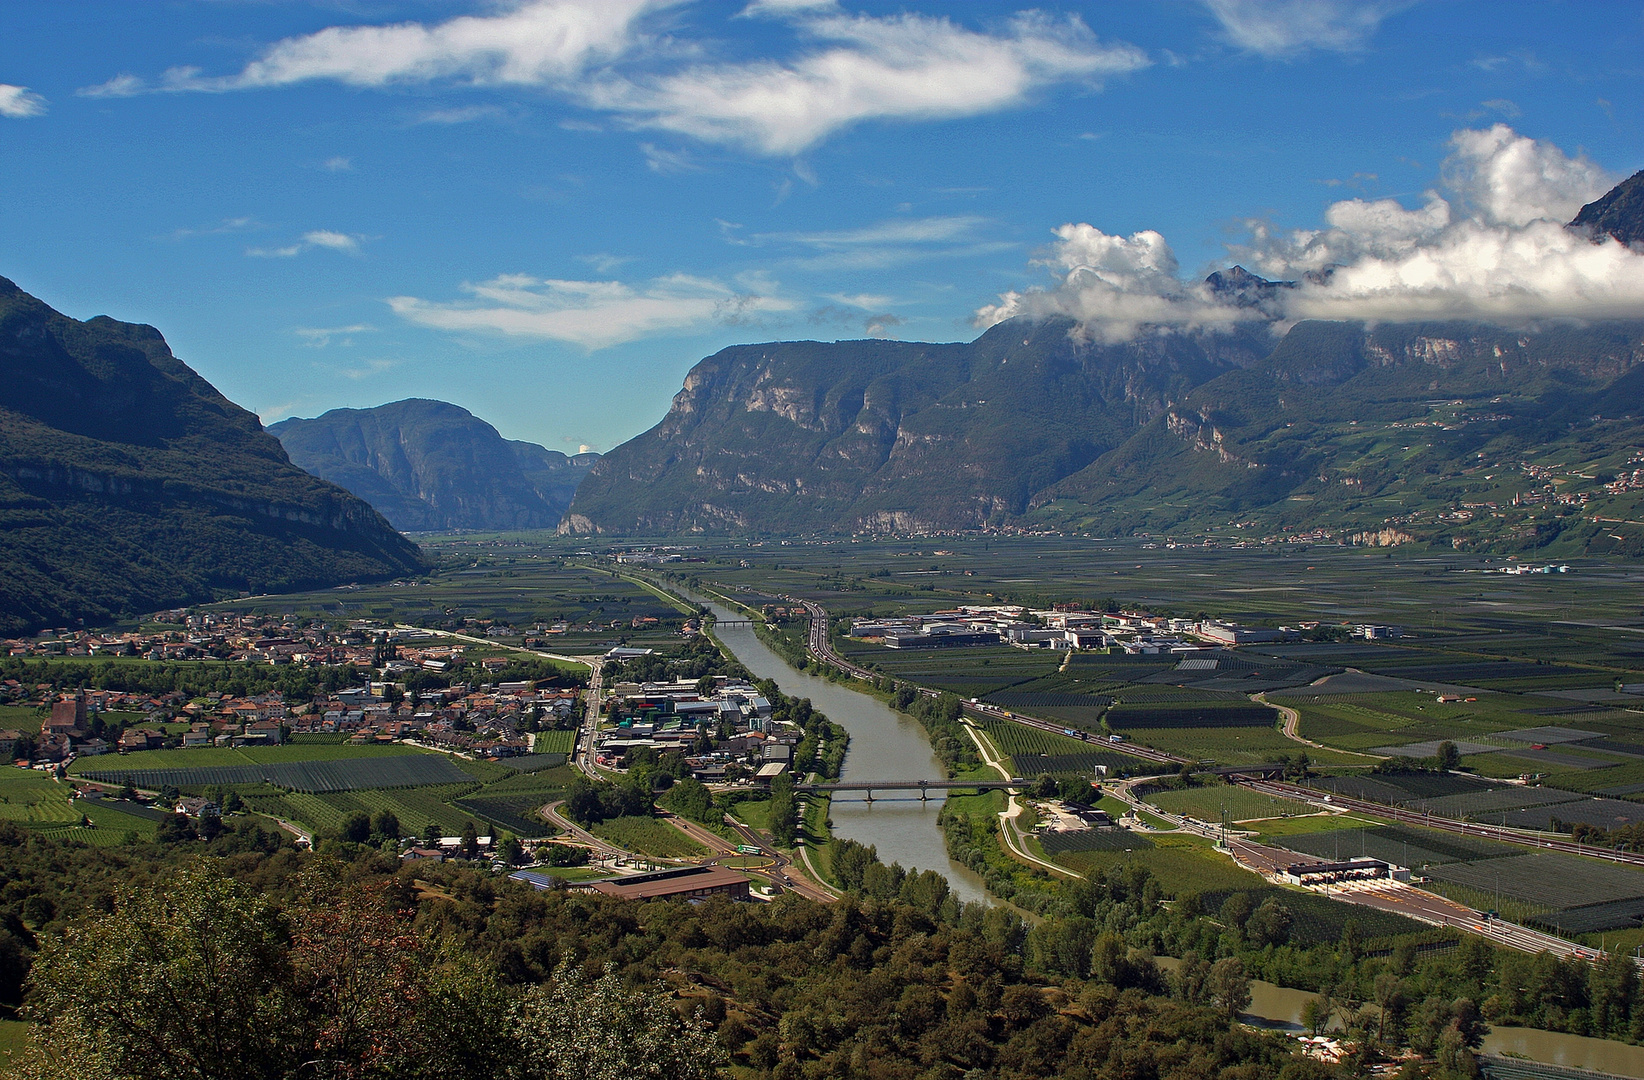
point(338, 164)
point(1276, 28)
point(19, 103)
point(853, 68)
point(593, 314)
point(907, 67)
point(661, 160)
point(320, 336)
point(538, 43)
point(126, 85)
point(316, 238)
point(1113, 286)
point(1513, 180)
point(1496, 250)
point(865, 301)
point(885, 243)
point(465, 114)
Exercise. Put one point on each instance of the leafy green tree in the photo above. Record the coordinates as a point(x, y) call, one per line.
point(574, 1028)
point(1229, 985)
point(386, 825)
point(180, 982)
point(356, 827)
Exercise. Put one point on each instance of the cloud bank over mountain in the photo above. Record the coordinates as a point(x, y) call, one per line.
point(1492, 246)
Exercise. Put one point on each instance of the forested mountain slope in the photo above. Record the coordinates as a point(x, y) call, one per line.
point(128, 483)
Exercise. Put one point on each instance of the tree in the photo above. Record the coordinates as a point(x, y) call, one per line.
point(386, 825)
point(1229, 985)
point(1236, 910)
point(1316, 1012)
point(1448, 757)
point(1269, 924)
point(470, 840)
point(356, 827)
point(573, 1028)
point(183, 980)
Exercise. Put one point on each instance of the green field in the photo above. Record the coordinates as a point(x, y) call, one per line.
point(1237, 745)
point(648, 836)
point(554, 742)
point(1238, 803)
point(1182, 864)
point(33, 798)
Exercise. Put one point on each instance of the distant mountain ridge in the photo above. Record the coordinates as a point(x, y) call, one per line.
point(1397, 432)
point(430, 465)
point(128, 483)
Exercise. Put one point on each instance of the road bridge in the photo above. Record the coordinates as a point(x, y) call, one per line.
point(923, 787)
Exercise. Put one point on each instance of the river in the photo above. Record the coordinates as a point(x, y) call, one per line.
point(1280, 1008)
point(885, 745)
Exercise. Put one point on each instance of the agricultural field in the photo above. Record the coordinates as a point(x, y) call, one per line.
point(968, 672)
point(1104, 839)
point(1034, 752)
point(1182, 864)
point(554, 742)
point(26, 719)
point(33, 798)
point(517, 579)
point(1236, 745)
point(312, 777)
point(1211, 802)
point(648, 836)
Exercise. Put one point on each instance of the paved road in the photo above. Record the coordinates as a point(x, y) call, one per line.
point(590, 723)
point(782, 871)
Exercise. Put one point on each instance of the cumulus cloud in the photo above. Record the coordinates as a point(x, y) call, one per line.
point(1277, 28)
point(593, 314)
point(1113, 286)
point(1492, 247)
point(852, 68)
point(19, 103)
point(906, 67)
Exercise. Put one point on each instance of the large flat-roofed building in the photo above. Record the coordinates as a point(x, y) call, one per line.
point(939, 641)
point(685, 883)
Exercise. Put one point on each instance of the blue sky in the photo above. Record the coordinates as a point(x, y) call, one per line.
point(547, 211)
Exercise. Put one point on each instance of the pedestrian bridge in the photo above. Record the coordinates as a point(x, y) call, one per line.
point(923, 787)
point(746, 624)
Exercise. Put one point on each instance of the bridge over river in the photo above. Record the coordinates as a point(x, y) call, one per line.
point(923, 787)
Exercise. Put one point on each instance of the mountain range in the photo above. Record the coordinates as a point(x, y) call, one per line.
point(430, 465)
point(1454, 432)
point(128, 483)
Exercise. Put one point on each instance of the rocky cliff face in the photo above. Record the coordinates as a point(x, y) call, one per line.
point(806, 436)
point(1357, 431)
point(430, 465)
point(128, 483)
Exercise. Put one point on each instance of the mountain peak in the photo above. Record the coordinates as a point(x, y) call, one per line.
point(1620, 213)
point(1243, 288)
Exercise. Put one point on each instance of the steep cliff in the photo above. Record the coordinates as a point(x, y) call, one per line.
point(128, 483)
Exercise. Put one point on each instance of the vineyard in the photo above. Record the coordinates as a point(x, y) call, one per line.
point(1239, 803)
point(1061, 843)
point(1244, 714)
point(554, 742)
point(313, 777)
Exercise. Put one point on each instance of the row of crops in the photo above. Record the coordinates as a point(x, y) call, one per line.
point(348, 774)
point(1566, 893)
point(1208, 715)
